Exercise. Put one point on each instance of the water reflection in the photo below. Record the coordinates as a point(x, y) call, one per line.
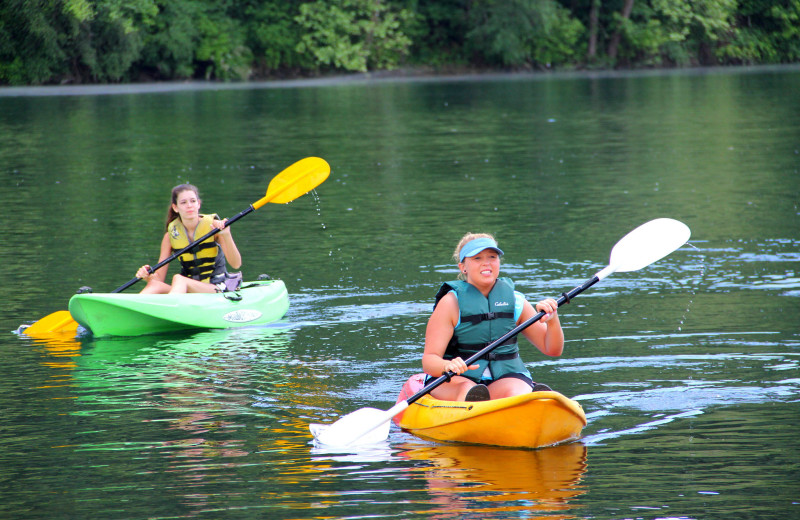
point(487, 482)
point(181, 402)
point(59, 350)
point(441, 481)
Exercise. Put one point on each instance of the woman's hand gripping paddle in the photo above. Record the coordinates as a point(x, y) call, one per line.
point(639, 248)
point(293, 182)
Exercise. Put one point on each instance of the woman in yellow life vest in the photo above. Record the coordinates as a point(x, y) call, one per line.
point(203, 267)
point(472, 312)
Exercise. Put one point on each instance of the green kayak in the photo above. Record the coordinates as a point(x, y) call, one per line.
point(116, 314)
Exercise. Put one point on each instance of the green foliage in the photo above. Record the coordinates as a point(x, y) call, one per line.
point(273, 36)
point(169, 46)
point(647, 37)
point(524, 32)
point(222, 47)
point(31, 36)
point(51, 40)
point(563, 41)
point(787, 38)
point(769, 32)
point(354, 35)
point(80, 10)
point(112, 41)
point(56, 41)
point(674, 30)
point(438, 32)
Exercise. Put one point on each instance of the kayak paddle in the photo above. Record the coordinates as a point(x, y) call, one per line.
point(639, 248)
point(293, 182)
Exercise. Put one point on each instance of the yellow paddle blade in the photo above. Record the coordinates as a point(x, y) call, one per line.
point(295, 181)
point(57, 322)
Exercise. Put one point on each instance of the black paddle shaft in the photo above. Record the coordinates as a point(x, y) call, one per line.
point(564, 298)
point(175, 255)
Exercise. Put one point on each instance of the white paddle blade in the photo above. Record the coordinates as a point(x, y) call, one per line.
point(646, 244)
point(364, 426)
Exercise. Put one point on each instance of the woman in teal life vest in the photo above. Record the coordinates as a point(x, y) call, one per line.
point(472, 312)
point(203, 267)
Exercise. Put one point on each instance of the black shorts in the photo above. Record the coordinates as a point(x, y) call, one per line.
point(516, 375)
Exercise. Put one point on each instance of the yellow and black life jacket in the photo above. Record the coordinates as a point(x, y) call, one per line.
point(205, 261)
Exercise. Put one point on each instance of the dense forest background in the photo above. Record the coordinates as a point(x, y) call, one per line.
point(102, 41)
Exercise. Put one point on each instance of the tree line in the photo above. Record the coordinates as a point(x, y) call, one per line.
point(109, 41)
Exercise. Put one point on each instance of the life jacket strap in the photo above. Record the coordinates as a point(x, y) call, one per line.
point(465, 350)
point(477, 318)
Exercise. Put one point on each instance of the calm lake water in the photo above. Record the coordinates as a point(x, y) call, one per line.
point(688, 370)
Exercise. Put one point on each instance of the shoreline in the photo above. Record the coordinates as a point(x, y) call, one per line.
point(395, 76)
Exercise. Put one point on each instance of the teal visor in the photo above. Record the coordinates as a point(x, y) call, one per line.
point(476, 245)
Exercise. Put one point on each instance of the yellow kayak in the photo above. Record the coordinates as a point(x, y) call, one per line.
point(531, 420)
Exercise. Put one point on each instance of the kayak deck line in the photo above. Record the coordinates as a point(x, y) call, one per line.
point(469, 405)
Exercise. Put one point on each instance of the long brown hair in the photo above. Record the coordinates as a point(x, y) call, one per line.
point(177, 190)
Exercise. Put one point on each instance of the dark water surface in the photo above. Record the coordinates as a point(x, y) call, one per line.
point(688, 370)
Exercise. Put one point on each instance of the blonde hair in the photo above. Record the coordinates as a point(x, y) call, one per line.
point(466, 238)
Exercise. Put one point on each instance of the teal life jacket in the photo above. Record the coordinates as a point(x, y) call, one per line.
point(484, 320)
